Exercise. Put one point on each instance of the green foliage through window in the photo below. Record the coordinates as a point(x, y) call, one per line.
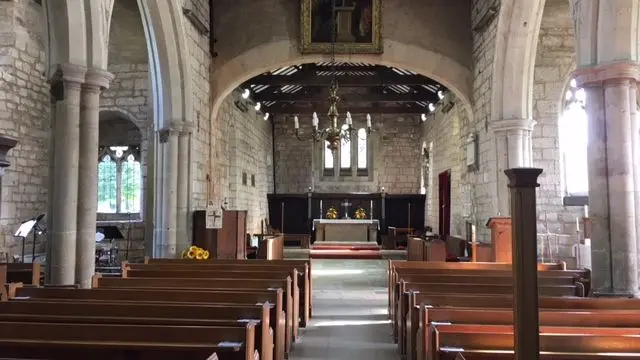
point(119, 180)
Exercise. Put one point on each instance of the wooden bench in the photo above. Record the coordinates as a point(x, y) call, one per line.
point(395, 265)
point(277, 316)
point(149, 271)
point(209, 284)
point(28, 273)
point(63, 341)
point(480, 302)
point(303, 267)
point(491, 316)
point(451, 340)
point(403, 316)
point(141, 313)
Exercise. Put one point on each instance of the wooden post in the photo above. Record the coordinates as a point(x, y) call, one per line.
point(523, 183)
point(282, 217)
point(409, 217)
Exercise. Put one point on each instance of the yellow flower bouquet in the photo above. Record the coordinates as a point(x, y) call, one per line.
point(195, 253)
point(332, 213)
point(360, 214)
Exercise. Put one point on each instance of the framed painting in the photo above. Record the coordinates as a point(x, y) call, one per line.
point(358, 26)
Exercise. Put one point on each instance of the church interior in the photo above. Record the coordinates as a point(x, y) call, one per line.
point(319, 179)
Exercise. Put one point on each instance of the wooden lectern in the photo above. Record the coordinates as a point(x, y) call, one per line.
point(230, 242)
point(500, 238)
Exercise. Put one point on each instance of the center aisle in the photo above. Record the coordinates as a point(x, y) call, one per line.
point(350, 313)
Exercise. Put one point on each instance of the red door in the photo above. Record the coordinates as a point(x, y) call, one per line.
point(444, 202)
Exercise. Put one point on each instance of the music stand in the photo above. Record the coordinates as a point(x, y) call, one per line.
point(23, 231)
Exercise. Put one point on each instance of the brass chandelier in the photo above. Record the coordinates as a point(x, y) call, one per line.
point(332, 134)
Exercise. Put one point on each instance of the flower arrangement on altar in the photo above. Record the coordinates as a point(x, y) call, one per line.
point(195, 253)
point(360, 214)
point(332, 213)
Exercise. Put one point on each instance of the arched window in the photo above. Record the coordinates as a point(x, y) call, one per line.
point(345, 151)
point(119, 180)
point(573, 133)
point(362, 149)
point(328, 156)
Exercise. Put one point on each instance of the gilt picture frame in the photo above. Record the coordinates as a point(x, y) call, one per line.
point(358, 26)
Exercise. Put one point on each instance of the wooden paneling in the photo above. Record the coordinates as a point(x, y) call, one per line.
point(226, 243)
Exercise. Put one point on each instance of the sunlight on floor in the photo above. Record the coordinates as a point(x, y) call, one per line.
point(350, 322)
point(336, 272)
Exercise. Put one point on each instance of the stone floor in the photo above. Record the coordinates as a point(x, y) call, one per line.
point(350, 313)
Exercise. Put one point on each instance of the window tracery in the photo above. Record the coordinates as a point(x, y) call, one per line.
point(119, 179)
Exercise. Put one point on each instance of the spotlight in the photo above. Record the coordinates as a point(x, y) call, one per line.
point(257, 107)
point(246, 93)
point(266, 116)
point(423, 117)
point(432, 107)
point(440, 95)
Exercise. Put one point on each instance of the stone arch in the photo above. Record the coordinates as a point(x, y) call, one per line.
point(515, 52)
point(65, 33)
point(273, 55)
point(170, 80)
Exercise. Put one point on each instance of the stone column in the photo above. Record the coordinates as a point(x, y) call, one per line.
point(169, 192)
point(96, 81)
point(56, 96)
point(65, 176)
point(610, 106)
point(522, 184)
point(513, 149)
point(184, 161)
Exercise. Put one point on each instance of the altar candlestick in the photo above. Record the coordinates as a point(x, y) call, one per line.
point(586, 211)
point(296, 124)
point(371, 210)
point(320, 209)
point(577, 224)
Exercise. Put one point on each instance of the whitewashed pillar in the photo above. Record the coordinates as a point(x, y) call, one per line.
point(66, 147)
point(95, 82)
point(612, 146)
point(513, 150)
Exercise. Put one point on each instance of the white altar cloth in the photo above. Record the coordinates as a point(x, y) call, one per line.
point(345, 230)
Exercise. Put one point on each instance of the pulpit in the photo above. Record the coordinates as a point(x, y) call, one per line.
point(500, 238)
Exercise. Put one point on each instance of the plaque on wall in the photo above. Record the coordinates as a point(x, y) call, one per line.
point(213, 217)
point(472, 152)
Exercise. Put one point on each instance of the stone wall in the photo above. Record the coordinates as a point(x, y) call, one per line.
point(396, 162)
point(249, 172)
point(477, 188)
point(24, 114)
point(445, 145)
point(555, 60)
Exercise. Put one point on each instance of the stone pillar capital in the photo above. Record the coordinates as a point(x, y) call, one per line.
point(187, 128)
point(523, 177)
point(507, 125)
point(166, 132)
point(597, 75)
point(97, 78)
point(68, 73)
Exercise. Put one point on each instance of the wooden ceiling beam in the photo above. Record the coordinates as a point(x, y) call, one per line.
point(343, 81)
point(297, 109)
point(390, 96)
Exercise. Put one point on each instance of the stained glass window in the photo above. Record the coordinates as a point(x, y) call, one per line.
point(345, 151)
point(573, 135)
point(362, 148)
point(328, 156)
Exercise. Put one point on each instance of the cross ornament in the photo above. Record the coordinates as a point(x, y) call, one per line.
point(346, 204)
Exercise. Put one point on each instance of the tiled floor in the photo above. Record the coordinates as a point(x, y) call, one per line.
point(350, 313)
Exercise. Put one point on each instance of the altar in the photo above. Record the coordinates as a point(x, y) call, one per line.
point(345, 230)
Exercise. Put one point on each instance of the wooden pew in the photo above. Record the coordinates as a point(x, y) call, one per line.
point(303, 267)
point(141, 313)
point(276, 316)
point(490, 316)
point(206, 284)
point(450, 340)
point(395, 265)
point(27, 273)
point(62, 341)
point(147, 271)
point(270, 247)
point(297, 307)
point(506, 302)
point(3, 274)
point(403, 327)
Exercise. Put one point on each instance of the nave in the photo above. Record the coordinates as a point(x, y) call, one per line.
point(350, 313)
